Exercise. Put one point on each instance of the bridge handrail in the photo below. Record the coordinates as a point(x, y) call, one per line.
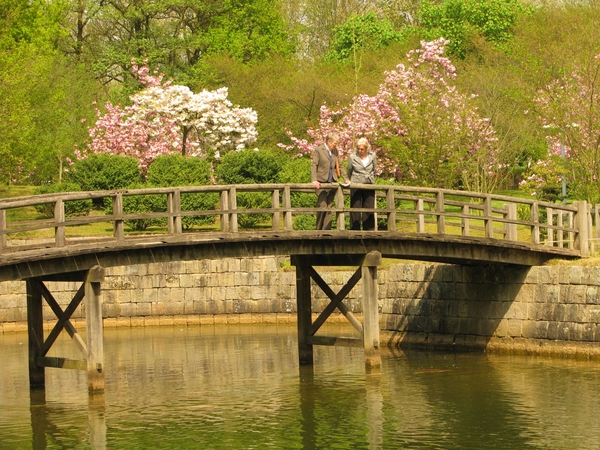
point(401, 208)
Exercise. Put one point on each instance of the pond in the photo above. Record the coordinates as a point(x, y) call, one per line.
point(238, 386)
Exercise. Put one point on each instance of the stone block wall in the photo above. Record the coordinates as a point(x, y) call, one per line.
point(538, 309)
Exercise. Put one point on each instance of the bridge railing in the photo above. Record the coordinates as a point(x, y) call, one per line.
point(226, 209)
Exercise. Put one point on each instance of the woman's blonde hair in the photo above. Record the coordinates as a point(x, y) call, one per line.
point(365, 142)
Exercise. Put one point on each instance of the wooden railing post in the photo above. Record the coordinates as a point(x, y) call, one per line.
point(581, 225)
point(420, 205)
point(510, 229)
point(174, 225)
point(117, 210)
point(275, 206)
point(560, 233)
point(225, 211)
point(439, 208)
point(550, 230)
point(233, 217)
point(488, 218)
point(3, 242)
point(59, 223)
point(391, 206)
point(535, 229)
point(287, 206)
point(466, 221)
point(597, 217)
point(339, 206)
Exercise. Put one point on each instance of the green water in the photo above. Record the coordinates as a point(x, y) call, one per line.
point(240, 387)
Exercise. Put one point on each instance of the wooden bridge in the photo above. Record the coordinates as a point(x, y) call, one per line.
point(207, 222)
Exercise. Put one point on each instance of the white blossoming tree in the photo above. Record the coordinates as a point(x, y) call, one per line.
point(167, 119)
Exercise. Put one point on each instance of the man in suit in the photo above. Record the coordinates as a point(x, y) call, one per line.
point(324, 169)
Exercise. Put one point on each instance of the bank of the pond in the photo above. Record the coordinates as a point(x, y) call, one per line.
point(551, 309)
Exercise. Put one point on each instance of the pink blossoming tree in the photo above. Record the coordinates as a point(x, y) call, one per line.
point(422, 129)
point(569, 109)
point(165, 119)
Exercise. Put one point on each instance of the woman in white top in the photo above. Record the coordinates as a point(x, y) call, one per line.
point(361, 170)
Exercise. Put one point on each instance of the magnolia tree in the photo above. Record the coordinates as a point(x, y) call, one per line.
point(569, 109)
point(165, 119)
point(422, 129)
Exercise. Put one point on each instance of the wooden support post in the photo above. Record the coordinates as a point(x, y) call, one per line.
point(93, 322)
point(371, 309)
point(304, 311)
point(35, 330)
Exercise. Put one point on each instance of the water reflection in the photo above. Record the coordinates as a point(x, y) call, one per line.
point(241, 387)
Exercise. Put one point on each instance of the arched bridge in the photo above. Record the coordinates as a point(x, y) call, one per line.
point(74, 242)
point(197, 222)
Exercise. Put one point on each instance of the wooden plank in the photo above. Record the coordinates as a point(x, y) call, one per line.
point(62, 363)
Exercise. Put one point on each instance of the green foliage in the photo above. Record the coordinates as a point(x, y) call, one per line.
point(298, 171)
point(141, 204)
point(305, 221)
point(250, 167)
point(179, 170)
point(362, 32)
point(72, 208)
point(100, 172)
point(464, 21)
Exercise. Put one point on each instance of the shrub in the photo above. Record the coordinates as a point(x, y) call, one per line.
point(99, 172)
point(251, 167)
point(141, 204)
point(298, 171)
point(178, 170)
point(104, 172)
point(72, 208)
